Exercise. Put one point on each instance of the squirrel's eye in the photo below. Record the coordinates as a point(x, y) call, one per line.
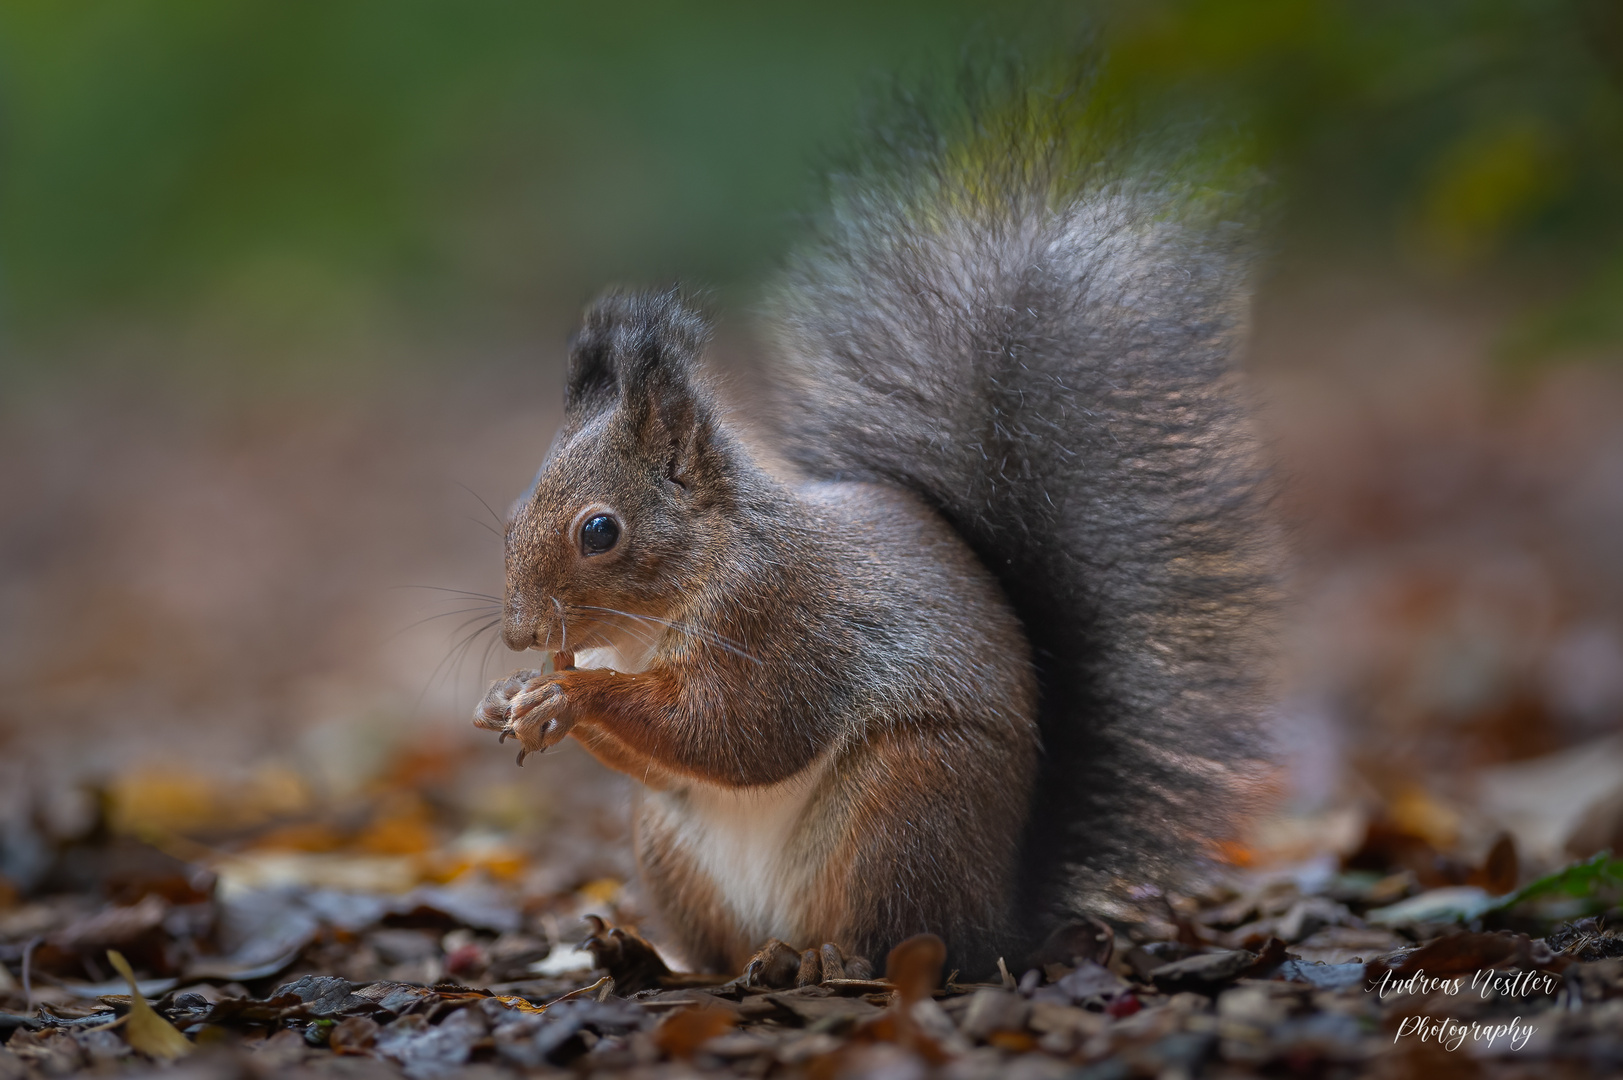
point(599, 534)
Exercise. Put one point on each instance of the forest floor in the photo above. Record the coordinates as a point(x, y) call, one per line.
point(298, 952)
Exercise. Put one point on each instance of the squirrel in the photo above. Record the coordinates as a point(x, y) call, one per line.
point(989, 656)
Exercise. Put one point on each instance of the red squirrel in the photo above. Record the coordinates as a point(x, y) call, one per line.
point(992, 653)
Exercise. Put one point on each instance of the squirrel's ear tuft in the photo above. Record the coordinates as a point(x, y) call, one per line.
point(639, 353)
point(633, 347)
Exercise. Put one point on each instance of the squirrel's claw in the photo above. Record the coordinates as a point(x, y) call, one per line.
point(494, 713)
point(778, 966)
point(536, 733)
point(527, 706)
point(774, 967)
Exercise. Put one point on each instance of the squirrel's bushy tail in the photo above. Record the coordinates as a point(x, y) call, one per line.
point(1027, 314)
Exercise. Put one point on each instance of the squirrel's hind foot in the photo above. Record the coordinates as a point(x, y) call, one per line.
point(778, 966)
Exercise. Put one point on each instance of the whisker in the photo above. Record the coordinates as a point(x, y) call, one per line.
point(490, 647)
point(700, 633)
point(638, 634)
point(455, 655)
point(483, 609)
point(631, 629)
point(494, 516)
point(708, 636)
point(469, 641)
point(464, 593)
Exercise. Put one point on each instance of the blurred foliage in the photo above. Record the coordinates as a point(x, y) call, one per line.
point(1453, 136)
point(1592, 879)
point(299, 164)
point(283, 171)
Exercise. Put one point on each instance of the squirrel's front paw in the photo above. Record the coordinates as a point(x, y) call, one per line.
point(538, 716)
point(493, 713)
point(528, 706)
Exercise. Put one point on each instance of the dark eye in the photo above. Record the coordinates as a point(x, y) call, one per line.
point(599, 534)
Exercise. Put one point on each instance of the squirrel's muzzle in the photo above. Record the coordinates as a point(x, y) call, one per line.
point(518, 637)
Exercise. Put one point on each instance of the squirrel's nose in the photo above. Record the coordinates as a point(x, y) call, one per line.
point(517, 637)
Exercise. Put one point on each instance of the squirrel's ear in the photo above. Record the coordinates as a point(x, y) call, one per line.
point(673, 424)
point(641, 351)
point(591, 384)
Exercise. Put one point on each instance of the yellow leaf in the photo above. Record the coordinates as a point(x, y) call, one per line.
point(601, 890)
point(1418, 813)
point(146, 1031)
point(513, 1001)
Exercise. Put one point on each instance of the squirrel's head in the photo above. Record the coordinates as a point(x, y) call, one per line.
point(614, 527)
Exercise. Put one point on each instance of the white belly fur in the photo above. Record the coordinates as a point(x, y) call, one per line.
point(751, 845)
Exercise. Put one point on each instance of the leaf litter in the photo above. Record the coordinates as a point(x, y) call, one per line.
point(1264, 974)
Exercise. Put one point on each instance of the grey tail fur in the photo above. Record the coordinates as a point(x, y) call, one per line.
point(1030, 315)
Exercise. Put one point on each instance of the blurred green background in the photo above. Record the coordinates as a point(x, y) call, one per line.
point(247, 184)
point(338, 177)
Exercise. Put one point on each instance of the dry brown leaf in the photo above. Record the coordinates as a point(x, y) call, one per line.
point(914, 966)
point(1460, 954)
point(1501, 871)
point(354, 1035)
point(146, 1031)
point(682, 1033)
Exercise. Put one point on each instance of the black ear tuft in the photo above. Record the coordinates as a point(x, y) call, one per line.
point(591, 380)
point(634, 345)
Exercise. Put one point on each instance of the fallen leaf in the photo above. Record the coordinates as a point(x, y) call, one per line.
point(146, 1031)
point(1270, 957)
point(1205, 972)
point(682, 1033)
point(1461, 954)
point(1454, 903)
point(914, 966)
point(814, 1007)
point(994, 1011)
point(114, 925)
point(1089, 980)
point(427, 1051)
point(1323, 976)
point(353, 1035)
point(325, 996)
point(51, 1053)
point(1071, 944)
point(513, 1001)
point(261, 933)
point(247, 1010)
point(394, 997)
point(1501, 869)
